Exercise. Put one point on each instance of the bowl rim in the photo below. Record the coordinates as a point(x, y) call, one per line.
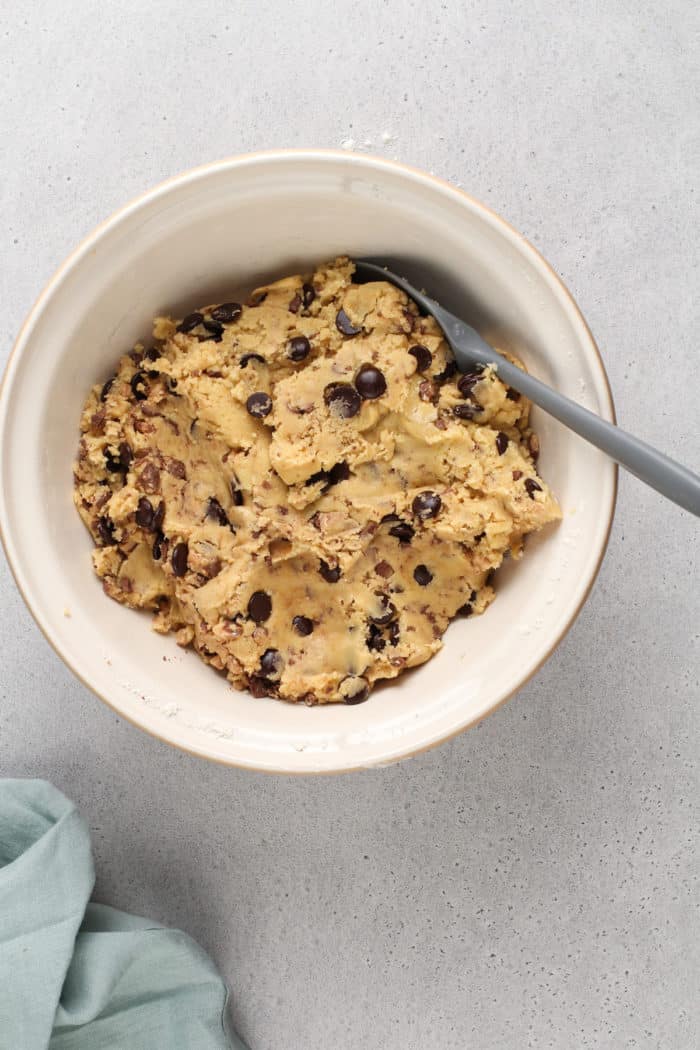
point(361, 160)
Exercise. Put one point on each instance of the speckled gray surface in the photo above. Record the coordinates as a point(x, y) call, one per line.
point(535, 882)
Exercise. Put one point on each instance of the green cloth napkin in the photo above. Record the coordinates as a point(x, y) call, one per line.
point(79, 976)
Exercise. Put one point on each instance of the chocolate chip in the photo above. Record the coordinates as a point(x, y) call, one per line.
point(113, 463)
point(216, 512)
point(370, 383)
point(227, 312)
point(257, 298)
point(149, 478)
point(517, 474)
point(465, 610)
point(139, 386)
point(447, 373)
point(428, 391)
point(302, 625)
point(153, 373)
point(294, 304)
point(236, 493)
point(533, 444)
point(178, 559)
point(271, 663)
point(384, 569)
point(375, 641)
point(259, 405)
point(426, 505)
point(144, 513)
point(106, 388)
point(531, 487)
point(251, 357)
point(354, 689)
point(501, 442)
point(479, 537)
point(105, 531)
point(298, 348)
point(176, 468)
point(388, 517)
point(345, 325)
point(260, 686)
point(158, 544)
point(424, 358)
point(387, 611)
point(342, 399)
point(394, 633)
point(403, 532)
point(259, 606)
point(215, 329)
point(339, 472)
point(422, 575)
point(467, 382)
point(189, 322)
point(469, 410)
point(308, 294)
point(152, 354)
point(158, 517)
point(512, 395)
point(330, 575)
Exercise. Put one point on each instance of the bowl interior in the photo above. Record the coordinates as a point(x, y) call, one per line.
point(214, 234)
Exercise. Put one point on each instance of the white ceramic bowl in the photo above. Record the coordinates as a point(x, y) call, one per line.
point(210, 234)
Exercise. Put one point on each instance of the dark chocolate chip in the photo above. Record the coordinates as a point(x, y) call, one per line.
point(227, 312)
point(178, 559)
point(158, 517)
point(375, 641)
point(215, 329)
point(517, 474)
point(394, 633)
point(298, 348)
point(465, 610)
point(422, 575)
point(144, 513)
point(531, 487)
point(176, 468)
point(469, 410)
point(259, 405)
point(330, 575)
point(467, 382)
point(388, 517)
point(126, 455)
point(216, 512)
point(308, 294)
point(294, 304)
point(339, 472)
point(106, 388)
point(403, 532)
point(113, 463)
point(139, 386)
point(259, 606)
point(105, 531)
point(236, 493)
point(251, 357)
point(189, 322)
point(512, 395)
point(426, 505)
point(158, 546)
point(479, 537)
point(424, 358)
point(354, 689)
point(370, 383)
point(387, 611)
point(257, 298)
point(153, 373)
point(345, 325)
point(447, 373)
point(302, 625)
point(271, 663)
point(342, 399)
point(384, 569)
point(501, 442)
point(152, 354)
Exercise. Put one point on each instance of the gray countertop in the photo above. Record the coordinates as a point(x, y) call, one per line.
point(534, 882)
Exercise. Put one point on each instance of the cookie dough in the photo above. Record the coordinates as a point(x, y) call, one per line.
point(304, 488)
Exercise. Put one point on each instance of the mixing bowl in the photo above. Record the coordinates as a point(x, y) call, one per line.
point(212, 234)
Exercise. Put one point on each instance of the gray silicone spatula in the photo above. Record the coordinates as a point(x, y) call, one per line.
point(669, 478)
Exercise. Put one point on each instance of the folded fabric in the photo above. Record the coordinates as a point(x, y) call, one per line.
point(79, 976)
